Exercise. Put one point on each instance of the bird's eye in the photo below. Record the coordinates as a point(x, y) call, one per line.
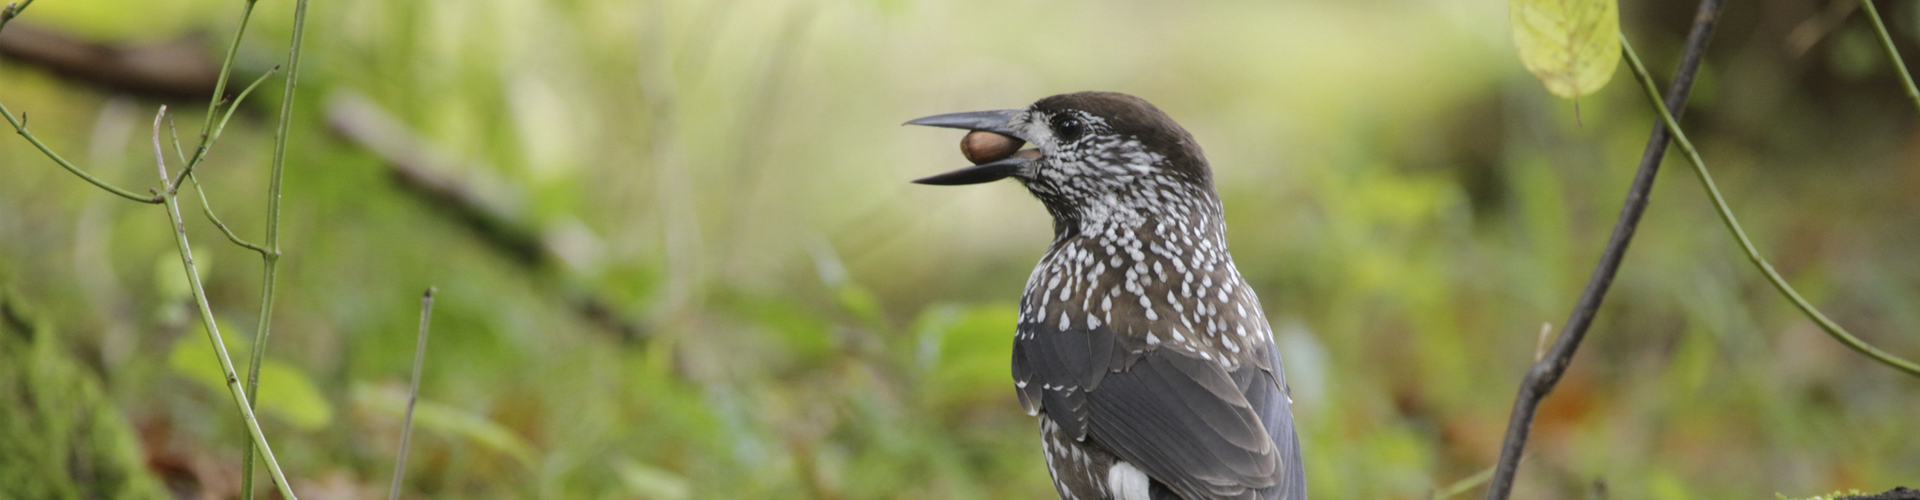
point(1067, 128)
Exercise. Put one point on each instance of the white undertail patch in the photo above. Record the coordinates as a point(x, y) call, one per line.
point(1125, 482)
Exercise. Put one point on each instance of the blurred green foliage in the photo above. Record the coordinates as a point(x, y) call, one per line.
point(62, 438)
point(729, 176)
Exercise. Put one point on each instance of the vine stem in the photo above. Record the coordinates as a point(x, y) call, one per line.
point(207, 133)
point(20, 127)
point(206, 141)
point(206, 315)
point(1733, 225)
point(270, 256)
point(208, 209)
point(7, 14)
point(1545, 372)
point(1886, 43)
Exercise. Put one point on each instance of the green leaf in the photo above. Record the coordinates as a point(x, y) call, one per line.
point(1572, 46)
point(449, 420)
point(651, 482)
point(285, 391)
point(860, 303)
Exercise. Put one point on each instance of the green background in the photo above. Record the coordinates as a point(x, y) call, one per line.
point(728, 178)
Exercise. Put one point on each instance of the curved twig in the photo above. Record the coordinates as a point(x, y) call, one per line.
point(20, 126)
point(1753, 253)
point(208, 209)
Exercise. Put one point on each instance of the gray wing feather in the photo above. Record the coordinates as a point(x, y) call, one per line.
point(1185, 421)
point(1267, 392)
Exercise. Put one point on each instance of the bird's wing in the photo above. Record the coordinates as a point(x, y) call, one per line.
point(1201, 430)
point(1267, 392)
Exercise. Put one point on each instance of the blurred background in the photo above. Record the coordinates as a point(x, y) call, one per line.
point(678, 257)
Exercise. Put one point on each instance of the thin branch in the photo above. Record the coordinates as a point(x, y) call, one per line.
point(425, 171)
point(270, 258)
point(12, 10)
point(207, 135)
point(221, 128)
point(1461, 486)
point(206, 316)
point(174, 134)
point(208, 208)
point(413, 394)
point(1545, 373)
point(1886, 43)
point(1753, 253)
point(20, 126)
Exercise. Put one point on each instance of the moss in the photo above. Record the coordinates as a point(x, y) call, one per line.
point(60, 437)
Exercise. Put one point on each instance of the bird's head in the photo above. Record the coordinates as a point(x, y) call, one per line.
point(1097, 156)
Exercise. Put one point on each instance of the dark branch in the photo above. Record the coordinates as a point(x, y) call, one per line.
point(1546, 372)
point(178, 69)
point(464, 193)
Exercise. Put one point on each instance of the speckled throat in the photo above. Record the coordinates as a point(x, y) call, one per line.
point(1151, 264)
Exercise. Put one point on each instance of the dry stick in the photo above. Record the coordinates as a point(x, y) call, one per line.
point(206, 316)
point(271, 256)
point(1753, 253)
point(1545, 373)
point(413, 394)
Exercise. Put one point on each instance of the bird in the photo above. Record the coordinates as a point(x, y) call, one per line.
point(1146, 356)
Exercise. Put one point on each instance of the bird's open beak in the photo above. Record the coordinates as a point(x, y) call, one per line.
point(986, 121)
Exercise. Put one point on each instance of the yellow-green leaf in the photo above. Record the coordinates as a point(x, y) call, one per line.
point(285, 391)
point(651, 482)
point(1572, 46)
point(448, 419)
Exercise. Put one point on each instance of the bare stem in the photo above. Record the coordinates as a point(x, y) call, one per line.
point(174, 134)
point(207, 135)
point(1753, 253)
point(270, 257)
point(11, 11)
point(1463, 485)
point(221, 128)
point(20, 126)
point(1545, 373)
point(1886, 43)
point(413, 394)
point(208, 209)
point(206, 317)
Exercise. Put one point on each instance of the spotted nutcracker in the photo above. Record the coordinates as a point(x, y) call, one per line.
point(1143, 352)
